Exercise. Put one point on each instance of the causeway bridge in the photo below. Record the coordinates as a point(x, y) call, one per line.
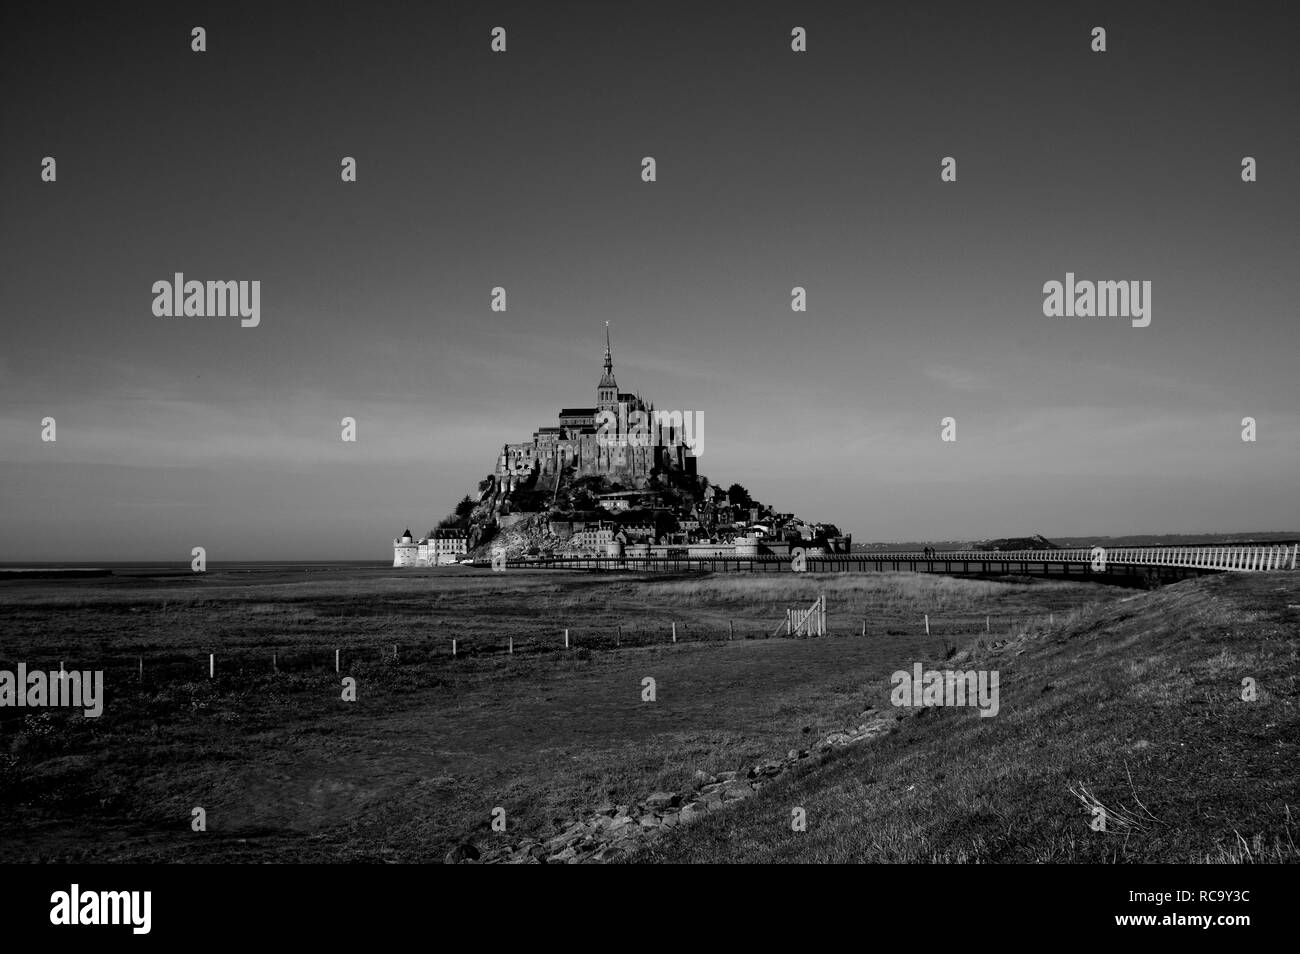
point(1151, 565)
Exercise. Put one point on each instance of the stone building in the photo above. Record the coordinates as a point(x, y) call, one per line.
point(440, 548)
point(600, 441)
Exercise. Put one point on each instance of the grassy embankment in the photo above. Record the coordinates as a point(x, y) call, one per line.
point(1134, 706)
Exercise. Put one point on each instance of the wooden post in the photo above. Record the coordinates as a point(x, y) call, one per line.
point(986, 625)
point(618, 640)
point(674, 632)
point(336, 660)
point(141, 669)
point(864, 627)
point(566, 639)
point(787, 621)
point(212, 665)
point(731, 629)
point(927, 624)
point(453, 648)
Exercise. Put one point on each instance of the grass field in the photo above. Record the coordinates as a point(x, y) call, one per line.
point(1134, 707)
point(286, 770)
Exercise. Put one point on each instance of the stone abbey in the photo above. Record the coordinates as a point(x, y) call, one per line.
point(615, 479)
point(622, 438)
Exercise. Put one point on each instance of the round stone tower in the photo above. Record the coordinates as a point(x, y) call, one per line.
point(406, 552)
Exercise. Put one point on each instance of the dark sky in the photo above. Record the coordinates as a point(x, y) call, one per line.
point(522, 169)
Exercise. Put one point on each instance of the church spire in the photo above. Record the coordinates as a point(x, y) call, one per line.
point(607, 390)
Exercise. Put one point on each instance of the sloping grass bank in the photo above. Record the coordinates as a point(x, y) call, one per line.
point(1133, 709)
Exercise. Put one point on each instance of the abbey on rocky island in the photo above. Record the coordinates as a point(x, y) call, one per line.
point(615, 479)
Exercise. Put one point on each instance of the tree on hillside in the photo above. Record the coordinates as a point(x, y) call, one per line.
point(738, 496)
point(460, 517)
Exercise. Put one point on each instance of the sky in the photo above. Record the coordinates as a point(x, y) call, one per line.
point(522, 170)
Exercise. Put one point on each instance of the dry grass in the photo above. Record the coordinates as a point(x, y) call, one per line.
point(919, 592)
point(287, 771)
point(1132, 707)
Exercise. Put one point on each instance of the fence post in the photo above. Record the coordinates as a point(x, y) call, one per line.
point(927, 624)
point(566, 639)
point(674, 632)
point(986, 625)
point(212, 665)
point(141, 669)
point(787, 621)
point(453, 648)
point(275, 662)
point(731, 629)
point(864, 627)
point(618, 640)
point(336, 660)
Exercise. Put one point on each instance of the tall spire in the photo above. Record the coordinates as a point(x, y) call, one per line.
point(607, 393)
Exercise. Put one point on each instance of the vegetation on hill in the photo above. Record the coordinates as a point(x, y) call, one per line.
point(459, 518)
point(1133, 708)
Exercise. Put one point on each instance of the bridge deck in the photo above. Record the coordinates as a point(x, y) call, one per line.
point(1161, 562)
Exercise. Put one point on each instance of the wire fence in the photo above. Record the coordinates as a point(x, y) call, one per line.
point(196, 662)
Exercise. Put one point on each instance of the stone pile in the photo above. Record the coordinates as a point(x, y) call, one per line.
point(617, 831)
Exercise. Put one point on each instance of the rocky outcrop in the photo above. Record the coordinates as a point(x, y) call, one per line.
point(617, 831)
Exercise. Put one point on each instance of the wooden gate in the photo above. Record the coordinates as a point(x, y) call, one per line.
point(807, 622)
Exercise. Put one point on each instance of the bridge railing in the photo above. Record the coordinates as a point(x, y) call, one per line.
point(1248, 557)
